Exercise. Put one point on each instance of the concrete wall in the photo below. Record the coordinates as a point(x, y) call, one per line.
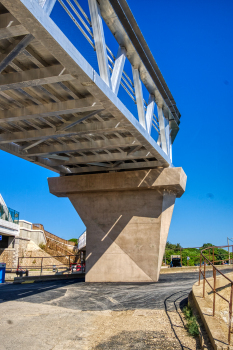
point(9, 228)
point(37, 236)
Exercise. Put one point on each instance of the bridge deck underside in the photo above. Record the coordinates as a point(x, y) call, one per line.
point(54, 113)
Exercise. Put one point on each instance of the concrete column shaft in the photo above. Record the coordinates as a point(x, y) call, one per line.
point(127, 216)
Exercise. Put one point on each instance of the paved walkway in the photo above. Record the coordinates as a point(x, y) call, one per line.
point(77, 315)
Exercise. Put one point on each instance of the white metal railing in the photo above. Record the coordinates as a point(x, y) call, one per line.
point(146, 114)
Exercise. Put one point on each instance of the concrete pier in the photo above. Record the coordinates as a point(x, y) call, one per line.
point(127, 215)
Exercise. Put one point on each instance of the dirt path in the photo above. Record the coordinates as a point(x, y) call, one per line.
point(70, 315)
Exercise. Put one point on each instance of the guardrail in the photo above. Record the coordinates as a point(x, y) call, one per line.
point(213, 288)
point(9, 214)
point(40, 262)
point(83, 23)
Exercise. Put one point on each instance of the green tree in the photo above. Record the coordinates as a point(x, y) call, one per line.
point(75, 240)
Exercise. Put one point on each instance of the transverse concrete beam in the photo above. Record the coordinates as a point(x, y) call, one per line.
point(96, 128)
point(50, 109)
point(91, 145)
point(34, 77)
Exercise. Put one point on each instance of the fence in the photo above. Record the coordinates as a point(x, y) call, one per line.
point(9, 214)
point(194, 254)
point(52, 236)
point(42, 263)
point(213, 288)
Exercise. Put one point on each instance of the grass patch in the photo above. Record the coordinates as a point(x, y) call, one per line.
point(191, 326)
point(42, 246)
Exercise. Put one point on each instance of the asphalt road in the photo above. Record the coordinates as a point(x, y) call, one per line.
point(78, 295)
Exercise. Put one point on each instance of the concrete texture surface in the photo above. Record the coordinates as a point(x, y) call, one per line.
point(172, 179)
point(127, 216)
point(71, 315)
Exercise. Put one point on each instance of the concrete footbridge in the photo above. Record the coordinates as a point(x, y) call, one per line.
point(87, 100)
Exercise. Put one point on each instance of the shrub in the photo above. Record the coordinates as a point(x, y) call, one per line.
point(42, 246)
point(192, 325)
point(75, 240)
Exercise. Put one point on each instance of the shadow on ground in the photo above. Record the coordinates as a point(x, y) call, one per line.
point(139, 340)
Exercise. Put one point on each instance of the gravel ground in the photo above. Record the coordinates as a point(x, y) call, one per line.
point(77, 315)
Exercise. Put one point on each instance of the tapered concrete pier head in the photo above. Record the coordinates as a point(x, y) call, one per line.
point(127, 215)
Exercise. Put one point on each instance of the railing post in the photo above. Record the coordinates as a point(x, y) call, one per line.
point(41, 267)
point(164, 130)
point(118, 69)
point(139, 97)
point(230, 315)
point(214, 296)
point(204, 280)
point(98, 32)
point(228, 253)
point(213, 256)
point(200, 270)
point(150, 112)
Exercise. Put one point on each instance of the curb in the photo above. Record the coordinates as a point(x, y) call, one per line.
point(212, 326)
point(47, 278)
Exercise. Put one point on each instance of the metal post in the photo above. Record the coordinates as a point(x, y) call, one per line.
point(180, 256)
point(204, 280)
point(228, 250)
point(200, 270)
point(118, 69)
point(230, 315)
point(69, 262)
point(213, 256)
point(100, 46)
point(163, 123)
point(150, 112)
point(41, 268)
point(214, 296)
point(139, 97)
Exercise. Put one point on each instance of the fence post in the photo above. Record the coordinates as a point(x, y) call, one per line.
point(213, 256)
point(181, 256)
point(41, 268)
point(230, 315)
point(204, 281)
point(200, 270)
point(214, 276)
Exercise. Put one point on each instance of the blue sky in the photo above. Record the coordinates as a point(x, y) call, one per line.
point(192, 44)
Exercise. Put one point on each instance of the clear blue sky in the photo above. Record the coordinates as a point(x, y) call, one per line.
point(192, 44)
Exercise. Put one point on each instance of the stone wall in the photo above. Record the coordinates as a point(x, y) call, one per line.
point(7, 256)
point(17, 247)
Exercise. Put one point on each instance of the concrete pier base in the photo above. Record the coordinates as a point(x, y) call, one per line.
point(127, 215)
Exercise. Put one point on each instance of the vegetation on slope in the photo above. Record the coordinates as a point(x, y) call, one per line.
point(194, 254)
